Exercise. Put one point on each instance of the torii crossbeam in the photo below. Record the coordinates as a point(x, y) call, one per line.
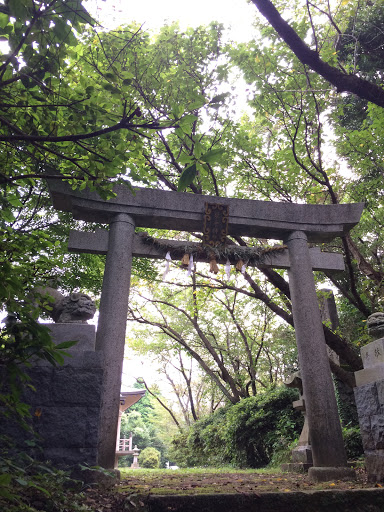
point(295, 224)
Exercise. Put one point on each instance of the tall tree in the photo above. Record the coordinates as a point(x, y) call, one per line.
point(294, 111)
point(220, 326)
point(82, 111)
point(280, 153)
point(180, 80)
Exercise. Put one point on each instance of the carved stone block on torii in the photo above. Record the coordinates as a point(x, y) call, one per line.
point(215, 224)
point(294, 224)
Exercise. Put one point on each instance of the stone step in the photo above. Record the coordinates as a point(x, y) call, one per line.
point(309, 501)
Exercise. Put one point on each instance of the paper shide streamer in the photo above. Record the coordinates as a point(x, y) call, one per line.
point(168, 259)
point(190, 265)
point(227, 269)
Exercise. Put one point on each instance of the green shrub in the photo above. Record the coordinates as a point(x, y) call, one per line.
point(352, 442)
point(261, 425)
point(250, 433)
point(181, 453)
point(346, 404)
point(149, 458)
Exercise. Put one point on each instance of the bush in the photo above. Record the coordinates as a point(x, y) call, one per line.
point(353, 443)
point(262, 425)
point(149, 458)
point(248, 434)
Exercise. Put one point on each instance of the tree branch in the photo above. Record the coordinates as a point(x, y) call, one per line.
point(142, 381)
point(343, 83)
point(123, 124)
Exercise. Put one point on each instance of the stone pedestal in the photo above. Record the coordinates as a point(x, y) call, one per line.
point(373, 361)
point(369, 395)
point(66, 402)
point(325, 474)
point(84, 334)
point(301, 460)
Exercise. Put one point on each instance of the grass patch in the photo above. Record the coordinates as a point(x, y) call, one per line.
point(128, 472)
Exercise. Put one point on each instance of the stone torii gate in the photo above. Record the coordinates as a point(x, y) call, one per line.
point(295, 224)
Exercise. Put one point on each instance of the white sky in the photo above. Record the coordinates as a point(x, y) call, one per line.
point(235, 14)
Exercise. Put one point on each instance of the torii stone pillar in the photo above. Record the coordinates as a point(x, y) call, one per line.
point(110, 337)
point(329, 457)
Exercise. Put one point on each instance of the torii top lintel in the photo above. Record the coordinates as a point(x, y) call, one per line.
point(160, 209)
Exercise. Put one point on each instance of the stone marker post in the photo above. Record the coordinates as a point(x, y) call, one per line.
point(369, 395)
point(329, 457)
point(302, 453)
point(110, 337)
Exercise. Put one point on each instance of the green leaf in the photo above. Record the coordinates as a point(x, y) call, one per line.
point(15, 201)
point(188, 120)
point(8, 73)
point(44, 491)
point(21, 482)
point(5, 479)
point(198, 150)
point(110, 76)
point(58, 358)
point(7, 215)
point(18, 10)
point(179, 132)
point(185, 159)
point(219, 98)
point(27, 82)
point(61, 30)
point(212, 156)
point(186, 178)
point(77, 12)
point(89, 90)
point(109, 87)
point(177, 111)
point(4, 20)
point(197, 103)
point(66, 344)
point(6, 494)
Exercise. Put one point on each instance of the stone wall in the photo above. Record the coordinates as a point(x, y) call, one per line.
point(65, 402)
point(370, 406)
